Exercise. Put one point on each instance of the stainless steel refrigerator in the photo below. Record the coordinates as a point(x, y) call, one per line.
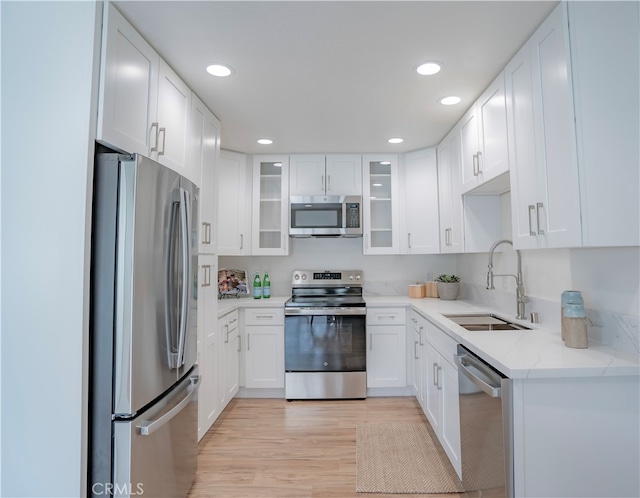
point(143, 372)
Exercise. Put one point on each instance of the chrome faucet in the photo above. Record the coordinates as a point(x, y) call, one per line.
point(521, 299)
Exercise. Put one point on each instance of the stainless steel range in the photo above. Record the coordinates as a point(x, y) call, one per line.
point(325, 336)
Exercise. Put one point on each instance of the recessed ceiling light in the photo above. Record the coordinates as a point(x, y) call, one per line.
point(451, 100)
point(265, 141)
point(395, 140)
point(219, 70)
point(429, 68)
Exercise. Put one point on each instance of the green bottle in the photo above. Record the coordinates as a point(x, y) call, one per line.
point(257, 287)
point(266, 286)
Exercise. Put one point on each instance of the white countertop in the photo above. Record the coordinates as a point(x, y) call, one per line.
point(519, 354)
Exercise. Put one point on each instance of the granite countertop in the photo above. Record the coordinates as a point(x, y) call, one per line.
point(538, 353)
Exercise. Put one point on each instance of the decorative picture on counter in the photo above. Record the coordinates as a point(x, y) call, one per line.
point(232, 283)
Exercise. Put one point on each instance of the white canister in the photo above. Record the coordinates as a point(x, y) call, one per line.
point(568, 297)
point(575, 320)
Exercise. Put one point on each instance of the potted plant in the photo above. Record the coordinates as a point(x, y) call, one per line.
point(448, 286)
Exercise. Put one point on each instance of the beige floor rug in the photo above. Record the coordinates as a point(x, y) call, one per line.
point(401, 457)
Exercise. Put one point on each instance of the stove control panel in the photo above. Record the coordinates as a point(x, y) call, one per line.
point(327, 277)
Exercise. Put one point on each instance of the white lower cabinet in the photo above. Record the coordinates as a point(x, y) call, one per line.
point(418, 328)
point(208, 344)
point(229, 327)
point(386, 347)
point(264, 352)
point(441, 391)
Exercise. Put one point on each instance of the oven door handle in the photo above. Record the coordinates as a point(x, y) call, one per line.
point(328, 310)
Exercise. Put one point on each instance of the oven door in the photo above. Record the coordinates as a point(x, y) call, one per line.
point(325, 342)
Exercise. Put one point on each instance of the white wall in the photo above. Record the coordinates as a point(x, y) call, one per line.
point(609, 279)
point(48, 111)
point(384, 275)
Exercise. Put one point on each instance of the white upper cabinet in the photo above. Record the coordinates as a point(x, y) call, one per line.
point(381, 207)
point(574, 155)
point(174, 103)
point(319, 174)
point(605, 55)
point(483, 132)
point(556, 217)
point(204, 155)
point(234, 199)
point(450, 198)
point(270, 215)
point(344, 174)
point(143, 105)
point(128, 87)
point(421, 224)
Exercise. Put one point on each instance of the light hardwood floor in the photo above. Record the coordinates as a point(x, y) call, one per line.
point(302, 449)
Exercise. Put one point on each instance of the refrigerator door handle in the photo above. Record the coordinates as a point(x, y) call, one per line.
point(185, 223)
point(150, 426)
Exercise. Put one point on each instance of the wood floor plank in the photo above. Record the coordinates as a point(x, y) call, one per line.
point(272, 448)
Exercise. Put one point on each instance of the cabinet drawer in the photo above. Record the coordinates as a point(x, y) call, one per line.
point(386, 316)
point(264, 316)
point(232, 320)
point(442, 342)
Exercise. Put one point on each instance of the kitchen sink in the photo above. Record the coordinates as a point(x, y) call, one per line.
point(485, 321)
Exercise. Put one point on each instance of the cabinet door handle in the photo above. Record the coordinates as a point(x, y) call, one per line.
point(328, 183)
point(206, 276)
point(479, 155)
point(435, 374)
point(248, 342)
point(539, 206)
point(206, 236)
point(415, 350)
point(322, 183)
point(239, 343)
point(164, 135)
point(409, 240)
point(241, 241)
point(475, 165)
point(153, 125)
point(531, 230)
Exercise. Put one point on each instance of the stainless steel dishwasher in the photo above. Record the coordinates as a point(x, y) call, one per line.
point(486, 434)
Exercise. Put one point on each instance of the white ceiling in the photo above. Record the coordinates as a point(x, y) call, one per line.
point(335, 76)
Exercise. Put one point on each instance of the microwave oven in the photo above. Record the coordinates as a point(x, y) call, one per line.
point(325, 216)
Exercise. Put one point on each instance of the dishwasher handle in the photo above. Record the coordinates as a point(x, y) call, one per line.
point(480, 374)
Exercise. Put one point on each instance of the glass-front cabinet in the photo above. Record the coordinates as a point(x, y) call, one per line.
point(380, 197)
point(270, 200)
